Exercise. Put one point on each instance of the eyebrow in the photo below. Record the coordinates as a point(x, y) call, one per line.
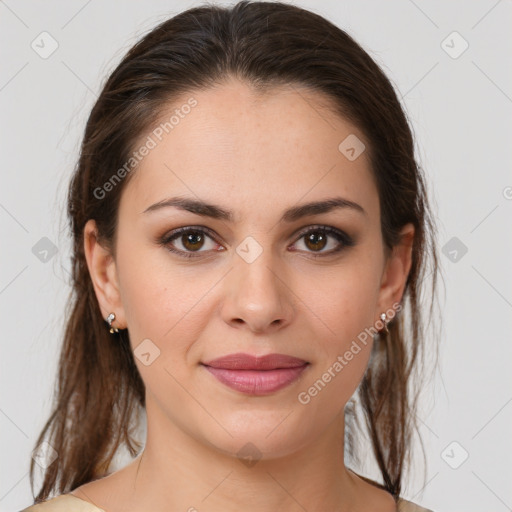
point(292, 214)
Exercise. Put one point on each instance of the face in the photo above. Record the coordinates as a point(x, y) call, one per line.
point(256, 281)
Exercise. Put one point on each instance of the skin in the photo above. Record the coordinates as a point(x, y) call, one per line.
point(257, 156)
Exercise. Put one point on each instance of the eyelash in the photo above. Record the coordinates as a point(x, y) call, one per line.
point(340, 236)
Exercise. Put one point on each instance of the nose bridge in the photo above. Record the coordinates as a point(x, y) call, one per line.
point(258, 295)
point(254, 264)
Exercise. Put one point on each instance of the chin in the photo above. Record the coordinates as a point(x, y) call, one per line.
point(260, 436)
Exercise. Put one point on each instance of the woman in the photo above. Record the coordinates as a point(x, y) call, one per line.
point(251, 231)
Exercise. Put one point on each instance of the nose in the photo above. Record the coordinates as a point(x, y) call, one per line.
point(257, 295)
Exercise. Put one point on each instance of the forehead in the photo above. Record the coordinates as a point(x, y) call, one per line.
point(239, 147)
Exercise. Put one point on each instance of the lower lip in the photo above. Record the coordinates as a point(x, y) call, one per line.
point(257, 382)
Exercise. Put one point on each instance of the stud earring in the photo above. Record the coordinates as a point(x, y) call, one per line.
point(110, 319)
point(385, 321)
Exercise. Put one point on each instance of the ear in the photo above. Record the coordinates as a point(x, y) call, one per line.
point(103, 272)
point(396, 271)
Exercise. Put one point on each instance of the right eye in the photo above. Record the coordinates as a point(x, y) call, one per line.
point(191, 239)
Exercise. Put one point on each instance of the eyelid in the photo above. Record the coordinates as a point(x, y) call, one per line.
point(341, 236)
point(343, 239)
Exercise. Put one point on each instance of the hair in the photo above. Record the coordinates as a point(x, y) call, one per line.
point(265, 44)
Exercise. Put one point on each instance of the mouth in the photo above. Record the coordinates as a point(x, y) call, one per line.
point(256, 375)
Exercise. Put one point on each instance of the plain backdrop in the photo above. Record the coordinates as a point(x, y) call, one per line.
point(451, 65)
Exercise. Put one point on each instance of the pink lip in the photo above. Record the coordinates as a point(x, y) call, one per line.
point(256, 375)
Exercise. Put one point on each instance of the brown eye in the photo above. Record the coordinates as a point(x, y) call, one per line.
point(189, 242)
point(316, 240)
point(192, 241)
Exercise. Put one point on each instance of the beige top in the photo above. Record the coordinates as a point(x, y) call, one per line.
point(71, 503)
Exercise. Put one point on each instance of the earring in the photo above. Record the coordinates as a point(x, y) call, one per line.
point(383, 318)
point(110, 319)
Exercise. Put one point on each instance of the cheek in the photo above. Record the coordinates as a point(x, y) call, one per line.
point(154, 294)
point(341, 301)
point(342, 306)
point(166, 305)
point(164, 318)
point(343, 341)
point(325, 395)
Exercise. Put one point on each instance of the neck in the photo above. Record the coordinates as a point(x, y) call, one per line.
point(177, 471)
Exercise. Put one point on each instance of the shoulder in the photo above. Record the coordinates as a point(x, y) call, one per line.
point(409, 506)
point(63, 503)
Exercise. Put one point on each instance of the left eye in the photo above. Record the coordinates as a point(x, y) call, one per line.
point(192, 240)
point(317, 239)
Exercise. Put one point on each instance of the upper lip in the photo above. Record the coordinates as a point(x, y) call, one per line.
point(240, 361)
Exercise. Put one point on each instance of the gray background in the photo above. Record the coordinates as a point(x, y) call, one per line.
point(460, 107)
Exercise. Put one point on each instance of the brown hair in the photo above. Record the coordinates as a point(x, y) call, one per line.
point(266, 44)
